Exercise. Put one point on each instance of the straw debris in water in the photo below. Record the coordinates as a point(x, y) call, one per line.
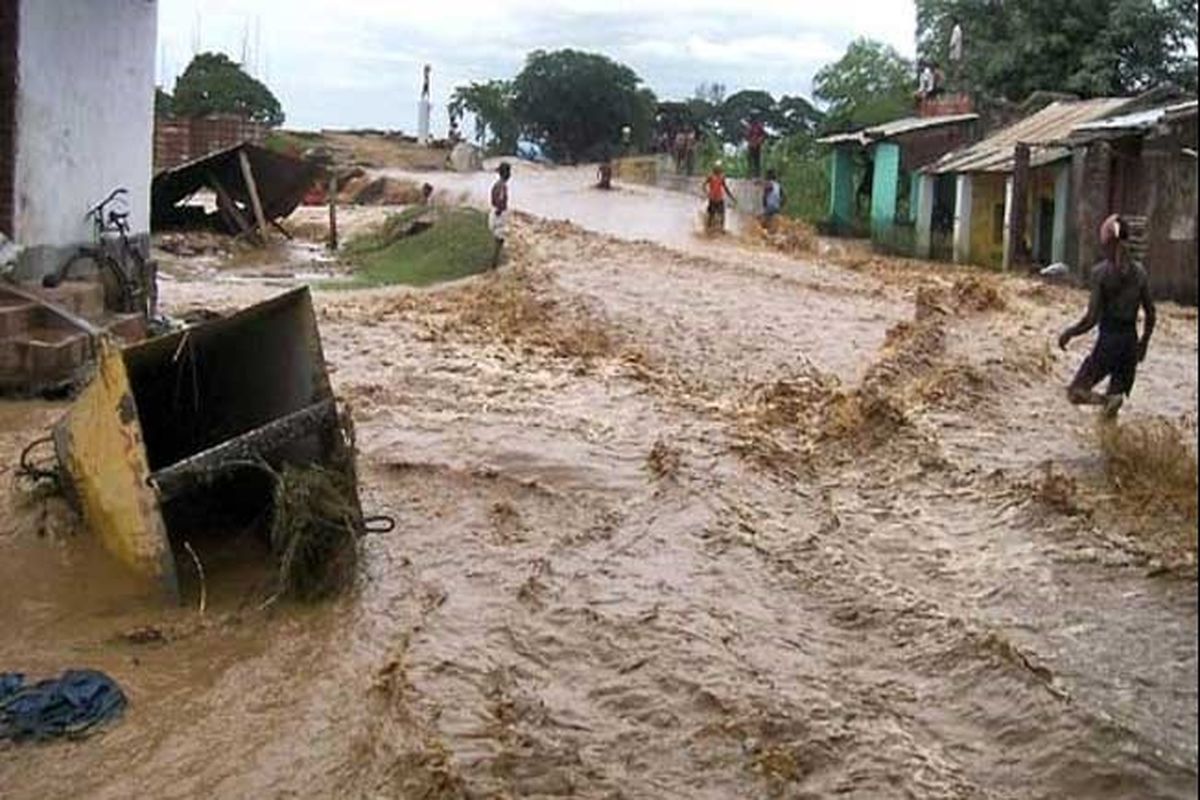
point(1150, 464)
point(314, 532)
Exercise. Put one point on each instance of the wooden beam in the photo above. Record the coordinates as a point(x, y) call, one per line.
point(226, 205)
point(252, 189)
point(1018, 254)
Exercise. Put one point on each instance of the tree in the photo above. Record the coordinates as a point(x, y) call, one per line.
point(491, 103)
point(214, 84)
point(1094, 48)
point(795, 115)
point(870, 84)
point(575, 103)
point(740, 108)
point(164, 104)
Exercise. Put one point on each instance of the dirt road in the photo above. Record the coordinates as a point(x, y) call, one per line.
point(690, 520)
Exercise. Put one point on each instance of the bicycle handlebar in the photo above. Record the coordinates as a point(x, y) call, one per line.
point(97, 209)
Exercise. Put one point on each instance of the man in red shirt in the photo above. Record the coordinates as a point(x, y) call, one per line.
point(498, 218)
point(717, 190)
point(755, 137)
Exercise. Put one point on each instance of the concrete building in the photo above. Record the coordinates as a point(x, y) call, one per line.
point(872, 174)
point(76, 120)
point(968, 195)
point(1141, 165)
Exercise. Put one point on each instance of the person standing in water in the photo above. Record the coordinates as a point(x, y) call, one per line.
point(604, 175)
point(717, 190)
point(498, 218)
point(1119, 289)
point(772, 200)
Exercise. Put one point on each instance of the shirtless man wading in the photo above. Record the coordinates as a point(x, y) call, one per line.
point(1119, 289)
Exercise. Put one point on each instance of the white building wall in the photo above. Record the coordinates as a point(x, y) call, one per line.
point(85, 114)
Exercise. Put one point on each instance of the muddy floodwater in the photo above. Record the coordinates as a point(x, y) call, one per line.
point(675, 518)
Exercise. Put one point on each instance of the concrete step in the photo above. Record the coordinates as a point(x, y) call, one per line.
point(16, 316)
point(40, 351)
point(44, 357)
point(85, 298)
point(129, 328)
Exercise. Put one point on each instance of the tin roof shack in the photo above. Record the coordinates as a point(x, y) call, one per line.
point(254, 187)
point(76, 121)
point(991, 223)
point(871, 174)
point(1141, 165)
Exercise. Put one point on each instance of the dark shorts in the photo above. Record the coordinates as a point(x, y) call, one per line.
point(716, 211)
point(1114, 356)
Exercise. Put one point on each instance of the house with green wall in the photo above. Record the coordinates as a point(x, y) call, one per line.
point(873, 186)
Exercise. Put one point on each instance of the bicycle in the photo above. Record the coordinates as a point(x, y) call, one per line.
point(125, 290)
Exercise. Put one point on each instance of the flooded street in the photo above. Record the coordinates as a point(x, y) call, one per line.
point(675, 518)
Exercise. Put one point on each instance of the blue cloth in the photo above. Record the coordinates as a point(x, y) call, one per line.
point(70, 705)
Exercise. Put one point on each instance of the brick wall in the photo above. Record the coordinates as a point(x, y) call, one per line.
point(922, 147)
point(8, 110)
point(177, 141)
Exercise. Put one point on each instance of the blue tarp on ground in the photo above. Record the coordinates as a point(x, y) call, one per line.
point(70, 705)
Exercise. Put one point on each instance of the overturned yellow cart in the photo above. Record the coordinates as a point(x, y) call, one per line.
point(183, 432)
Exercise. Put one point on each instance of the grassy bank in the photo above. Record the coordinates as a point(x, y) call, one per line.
point(457, 244)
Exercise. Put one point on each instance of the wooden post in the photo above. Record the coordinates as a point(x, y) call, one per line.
point(1019, 254)
point(226, 205)
point(333, 190)
point(252, 189)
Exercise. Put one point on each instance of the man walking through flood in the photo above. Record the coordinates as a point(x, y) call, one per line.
point(498, 218)
point(717, 190)
point(1119, 289)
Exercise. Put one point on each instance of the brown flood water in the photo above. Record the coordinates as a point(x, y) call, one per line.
point(616, 573)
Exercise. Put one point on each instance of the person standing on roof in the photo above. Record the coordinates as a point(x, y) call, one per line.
point(956, 52)
point(756, 135)
point(717, 191)
point(925, 79)
point(1119, 289)
point(498, 217)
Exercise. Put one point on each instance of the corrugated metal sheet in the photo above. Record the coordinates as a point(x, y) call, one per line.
point(1136, 121)
point(1052, 124)
point(898, 127)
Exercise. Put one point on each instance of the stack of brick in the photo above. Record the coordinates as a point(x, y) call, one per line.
point(178, 141)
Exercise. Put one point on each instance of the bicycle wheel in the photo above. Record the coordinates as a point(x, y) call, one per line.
point(103, 267)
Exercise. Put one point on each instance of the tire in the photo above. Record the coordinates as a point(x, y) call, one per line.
point(117, 292)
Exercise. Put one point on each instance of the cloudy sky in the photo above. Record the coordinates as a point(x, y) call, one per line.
point(357, 63)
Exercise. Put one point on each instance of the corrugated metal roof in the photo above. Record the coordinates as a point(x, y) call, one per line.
point(1052, 124)
point(895, 128)
point(1139, 120)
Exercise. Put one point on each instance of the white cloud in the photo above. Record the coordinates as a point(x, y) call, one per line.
point(340, 63)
